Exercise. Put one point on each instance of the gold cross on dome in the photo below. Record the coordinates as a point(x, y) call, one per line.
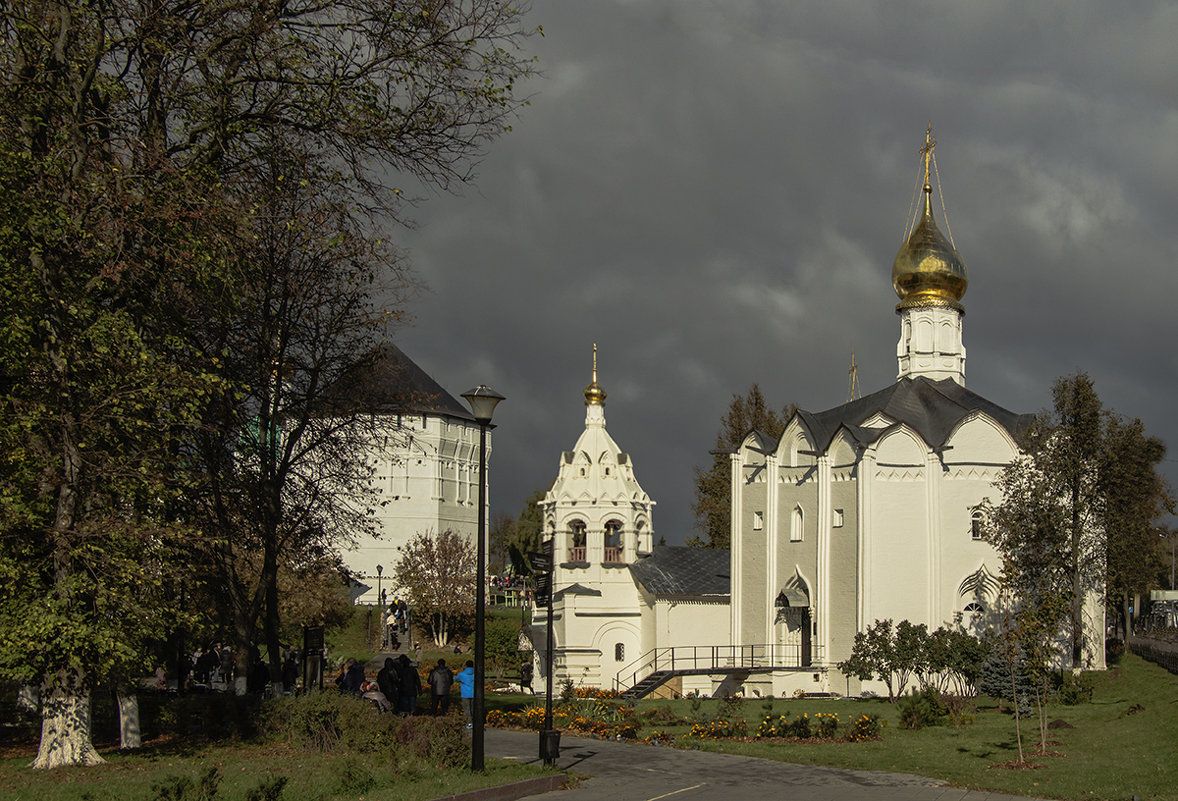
point(927, 152)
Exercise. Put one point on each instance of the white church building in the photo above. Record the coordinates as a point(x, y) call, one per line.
point(619, 601)
point(862, 512)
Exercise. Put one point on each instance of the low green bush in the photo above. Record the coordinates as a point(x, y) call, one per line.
point(922, 708)
point(961, 709)
point(1074, 690)
point(330, 721)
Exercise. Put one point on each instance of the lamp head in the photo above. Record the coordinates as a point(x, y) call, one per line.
point(482, 400)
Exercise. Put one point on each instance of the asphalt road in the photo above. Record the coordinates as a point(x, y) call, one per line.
point(622, 772)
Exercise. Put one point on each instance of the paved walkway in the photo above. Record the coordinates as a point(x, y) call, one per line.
point(622, 772)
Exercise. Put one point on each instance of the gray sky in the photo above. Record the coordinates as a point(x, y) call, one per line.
point(714, 191)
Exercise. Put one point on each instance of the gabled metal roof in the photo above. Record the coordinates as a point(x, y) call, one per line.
point(931, 408)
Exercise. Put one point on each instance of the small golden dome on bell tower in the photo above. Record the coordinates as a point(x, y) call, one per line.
point(928, 271)
point(594, 394)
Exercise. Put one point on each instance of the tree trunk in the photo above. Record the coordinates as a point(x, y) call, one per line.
point(65, 723)
point(129, 731)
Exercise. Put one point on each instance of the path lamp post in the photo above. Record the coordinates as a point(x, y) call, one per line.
point(380, 608)
point(482, 400)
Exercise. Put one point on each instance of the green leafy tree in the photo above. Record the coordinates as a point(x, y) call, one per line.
point(132, 136)
point(1135, 497)
point(437, 574)
point(513, 538)
point(712, 504)
point(501, 644)
point(1077, 509)
point(874, 656)
point(101, 248)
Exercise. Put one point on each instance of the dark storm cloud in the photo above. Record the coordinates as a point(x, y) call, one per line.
point(714, 191)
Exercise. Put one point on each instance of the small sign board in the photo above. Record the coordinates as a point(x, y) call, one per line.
point(312, 638)
point(541, 562)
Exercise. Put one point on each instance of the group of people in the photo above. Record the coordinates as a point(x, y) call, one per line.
point(398, 686)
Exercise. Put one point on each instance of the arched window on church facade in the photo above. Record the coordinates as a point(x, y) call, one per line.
point(577, 541)
point(976, 524)
point(795, 525)
point(613, 541)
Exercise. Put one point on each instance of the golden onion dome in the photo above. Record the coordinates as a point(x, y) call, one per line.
point(594, 394)
point(927, 270)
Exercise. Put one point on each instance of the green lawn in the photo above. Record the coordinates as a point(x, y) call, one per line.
point(1111, 751)
point(311, 776)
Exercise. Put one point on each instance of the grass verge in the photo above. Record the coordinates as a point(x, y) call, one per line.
point(310, 775)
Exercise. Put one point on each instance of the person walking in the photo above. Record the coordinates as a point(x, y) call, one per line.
point(465, 681)
point(441, 678)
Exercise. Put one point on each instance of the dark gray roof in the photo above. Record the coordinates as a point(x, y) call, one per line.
point(931, 408)
point(388, 381)
point(577, 589)
point(678, 570)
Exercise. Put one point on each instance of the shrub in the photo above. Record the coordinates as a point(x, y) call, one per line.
point(324, 721)
point(1114, 649)
point(865, 727)
point(825, 725)
point(923, 708)
point(1074, 690)
point(328, 721)
point(439, 742)
point(961, 709)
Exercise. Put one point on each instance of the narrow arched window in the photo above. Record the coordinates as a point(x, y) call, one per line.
point(976, 523)
point(795, 525)
point(619, 652)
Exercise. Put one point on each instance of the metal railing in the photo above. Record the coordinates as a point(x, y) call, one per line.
point(713, 658)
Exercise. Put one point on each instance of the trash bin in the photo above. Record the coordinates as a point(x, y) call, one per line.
point(549, 745)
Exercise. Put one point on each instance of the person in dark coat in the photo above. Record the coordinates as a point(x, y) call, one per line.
point(410, 687)
point(389, 681)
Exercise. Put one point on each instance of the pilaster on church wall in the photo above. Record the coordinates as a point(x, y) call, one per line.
point(844, 565)
point(736, 548)
point(754, 566)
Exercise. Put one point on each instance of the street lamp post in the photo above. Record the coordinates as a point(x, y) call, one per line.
point(482, 400)
point(380, 606)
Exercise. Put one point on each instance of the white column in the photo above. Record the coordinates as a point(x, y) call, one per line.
point(735, 548)
point(771, 541)
point(933, 506)
point(866, 480)
point(822, 527)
